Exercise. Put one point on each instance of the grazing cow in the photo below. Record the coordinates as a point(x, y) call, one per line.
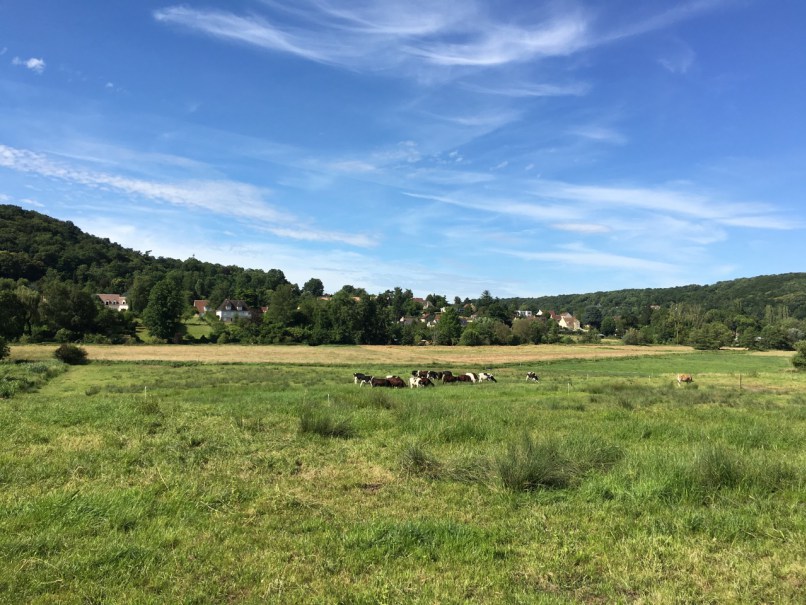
point(361, 379)
point(532, 377)
point(396, 382)
point(473, 377)
point(416, 382)
point(420, 373)
point(465, 378)
point(379, 382)
point(449, 378)
point(486, 376)
point(681, 378)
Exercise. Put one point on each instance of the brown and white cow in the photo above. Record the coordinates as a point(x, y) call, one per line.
point(681, 378)
point(396, 382)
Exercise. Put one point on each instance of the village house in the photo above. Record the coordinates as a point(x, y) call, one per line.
point(114, 301)
point(201, 306)
point(229, 310)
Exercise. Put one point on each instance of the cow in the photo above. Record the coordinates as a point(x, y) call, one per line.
point(446, 378)
point(486, 376)
point(361, 379)
point(420, 373)
point(379, 382)
point(417, 382)
point(464, 378)
point(681, 378)
point(473, 377)
point(396, 382)
point(532, 377)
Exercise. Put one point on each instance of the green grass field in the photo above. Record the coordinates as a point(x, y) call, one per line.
point(186, 482)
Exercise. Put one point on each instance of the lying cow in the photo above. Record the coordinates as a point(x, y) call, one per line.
point(681, 378)
point(532, 377)
point(486, 376)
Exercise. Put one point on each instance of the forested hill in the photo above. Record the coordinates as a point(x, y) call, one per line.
point(781, 295)
point(32, 243)
point(34, 246)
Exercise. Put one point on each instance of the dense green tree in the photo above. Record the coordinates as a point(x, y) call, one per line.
point(711, 336)
point(314, 286)
point(448, 329)
point(282, 308)
point(12, 324)
point(608, 327)
point(163, 315)
point(68, 307)
point(592, 317)
point(471, 337)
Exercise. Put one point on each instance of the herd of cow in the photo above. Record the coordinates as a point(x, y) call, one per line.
point(427, 378)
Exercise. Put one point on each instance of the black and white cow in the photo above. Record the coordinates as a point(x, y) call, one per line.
point(486, 376)
point(361, 379)
point(532, 377)
point(415, 382)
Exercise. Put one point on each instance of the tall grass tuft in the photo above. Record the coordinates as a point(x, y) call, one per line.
point(417, 461)
point(528, 466)
point(323, 422)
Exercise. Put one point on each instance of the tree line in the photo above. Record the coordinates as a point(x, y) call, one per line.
point(50, 273)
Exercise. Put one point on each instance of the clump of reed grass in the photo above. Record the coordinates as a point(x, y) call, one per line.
point(416, 460)
point(554, 463)
point(530, 465)
point(320, 421)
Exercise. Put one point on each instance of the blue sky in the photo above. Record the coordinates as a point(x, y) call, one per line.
point(523, 147)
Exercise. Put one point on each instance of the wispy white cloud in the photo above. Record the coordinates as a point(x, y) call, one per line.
point(581, 256)
point(235, 199)
point(679, 58)
point(387, 34)
point(524, 90)
point(660, 200)
point(587, 228)
point(599, 133)
point(34, 64)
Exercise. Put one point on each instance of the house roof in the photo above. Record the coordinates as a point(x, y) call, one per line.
point(112, 299)
point(238, 304)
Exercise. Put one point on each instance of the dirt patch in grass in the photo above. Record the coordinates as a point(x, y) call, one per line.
point(426, 357)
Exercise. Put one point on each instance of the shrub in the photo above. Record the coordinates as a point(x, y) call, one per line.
point(799, 360)
point(5, 350)
point(71, 354)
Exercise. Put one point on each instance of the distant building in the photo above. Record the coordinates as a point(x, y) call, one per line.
point(114, 301)
point(202, 306)
point(229, 310)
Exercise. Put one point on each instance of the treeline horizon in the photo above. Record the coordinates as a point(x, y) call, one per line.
point(51, 271)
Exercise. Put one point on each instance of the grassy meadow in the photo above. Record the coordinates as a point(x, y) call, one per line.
point(226, 474)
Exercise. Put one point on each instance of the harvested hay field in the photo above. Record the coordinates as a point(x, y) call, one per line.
point(349, 355)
